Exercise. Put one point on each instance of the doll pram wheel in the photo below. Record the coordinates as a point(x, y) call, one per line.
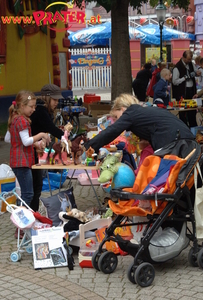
point(200, 259)
point(131, 273)
point(144, 274)
point(29, 249)
point(15, 256)
point(192, 258)
point(95, 258)
point(108, 262)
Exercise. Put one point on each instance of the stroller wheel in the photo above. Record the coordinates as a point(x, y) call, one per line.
point(144, 274)
point(15, 256)
point(95, 259)
point(192, 258)
point(200, 259)
point(108, 262)
point(131, 273)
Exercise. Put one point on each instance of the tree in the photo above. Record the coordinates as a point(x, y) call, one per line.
point(121, 62)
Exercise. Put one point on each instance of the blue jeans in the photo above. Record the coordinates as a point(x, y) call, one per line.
point(24, 176)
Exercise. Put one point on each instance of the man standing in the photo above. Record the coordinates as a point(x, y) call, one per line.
point(184, 84)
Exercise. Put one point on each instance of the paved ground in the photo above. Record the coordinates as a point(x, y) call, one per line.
point(175, 280)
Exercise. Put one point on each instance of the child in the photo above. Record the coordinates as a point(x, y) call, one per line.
point(19, 135)
point(161, 93)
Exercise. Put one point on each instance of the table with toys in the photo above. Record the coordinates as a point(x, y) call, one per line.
point(184, 105)
point(73, 167)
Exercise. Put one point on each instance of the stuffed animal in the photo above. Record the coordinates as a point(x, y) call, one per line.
point(90, 157)
point(72, 219)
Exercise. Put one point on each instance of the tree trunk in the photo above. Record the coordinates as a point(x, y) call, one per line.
point(121, 62)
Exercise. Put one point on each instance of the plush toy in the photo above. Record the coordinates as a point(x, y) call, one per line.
point(72, 219)
point(90, 157)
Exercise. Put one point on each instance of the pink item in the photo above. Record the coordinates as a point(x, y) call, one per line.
point(145, 152)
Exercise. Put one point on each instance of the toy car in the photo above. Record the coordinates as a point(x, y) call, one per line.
point(188, 103)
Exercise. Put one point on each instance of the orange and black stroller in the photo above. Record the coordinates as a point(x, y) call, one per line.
point(166, 182)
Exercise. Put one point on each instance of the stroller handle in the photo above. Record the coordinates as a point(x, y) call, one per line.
point(122, 195)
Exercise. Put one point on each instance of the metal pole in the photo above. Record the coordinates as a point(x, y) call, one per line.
point(161, 50)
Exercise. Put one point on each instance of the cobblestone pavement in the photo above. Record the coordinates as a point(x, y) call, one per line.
point(175, 279)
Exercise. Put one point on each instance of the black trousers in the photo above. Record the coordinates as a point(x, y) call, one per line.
point(37, 188)
point(189, 117)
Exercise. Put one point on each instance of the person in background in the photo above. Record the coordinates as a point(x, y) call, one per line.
point(161, 88)
point(197, 61)
point(184, 85)
point(42, 120)
point(154, 65)
point(22, 142)
point(155, 78)
point(140, 84)
point(200, 78)
point(198, 95)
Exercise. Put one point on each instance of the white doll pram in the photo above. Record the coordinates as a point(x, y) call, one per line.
point(23, 218)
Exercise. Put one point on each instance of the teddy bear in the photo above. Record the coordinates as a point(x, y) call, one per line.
point(72, 219)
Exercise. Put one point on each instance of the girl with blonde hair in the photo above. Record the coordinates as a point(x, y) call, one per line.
point(22, 142)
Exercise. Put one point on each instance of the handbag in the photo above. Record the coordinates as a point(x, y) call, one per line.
point(198, 207)
point(22, 217)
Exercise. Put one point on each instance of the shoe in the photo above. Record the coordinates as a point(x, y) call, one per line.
point(20, 235)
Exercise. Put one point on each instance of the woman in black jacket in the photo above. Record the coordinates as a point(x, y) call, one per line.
point(158, 126)
point(42, 120)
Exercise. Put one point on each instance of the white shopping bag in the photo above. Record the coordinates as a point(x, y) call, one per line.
point(198, 207)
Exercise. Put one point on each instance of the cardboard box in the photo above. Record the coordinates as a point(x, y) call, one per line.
point(97, 109)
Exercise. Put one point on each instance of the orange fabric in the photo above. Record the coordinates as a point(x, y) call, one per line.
point(147, 172)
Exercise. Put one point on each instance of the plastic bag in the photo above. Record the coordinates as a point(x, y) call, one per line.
point(54, 179)
point(6, 171)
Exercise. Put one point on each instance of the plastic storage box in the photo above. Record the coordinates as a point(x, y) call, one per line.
point(89, 98)
point(84, 180)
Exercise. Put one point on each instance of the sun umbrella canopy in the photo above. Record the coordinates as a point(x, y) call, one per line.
point(100, 35)
point(148, 34)
point(167, 33)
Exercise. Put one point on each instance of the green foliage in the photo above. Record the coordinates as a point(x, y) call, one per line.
point(180, 3)
point(137, 4)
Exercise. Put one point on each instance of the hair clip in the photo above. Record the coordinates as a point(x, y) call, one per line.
point(29, 97)
point(14, 103)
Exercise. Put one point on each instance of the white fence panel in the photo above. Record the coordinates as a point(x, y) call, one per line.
point(92, 76)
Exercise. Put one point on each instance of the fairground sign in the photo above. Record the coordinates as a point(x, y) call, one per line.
point(41, 17)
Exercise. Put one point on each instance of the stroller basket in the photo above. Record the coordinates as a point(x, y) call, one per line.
point(162, 193)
